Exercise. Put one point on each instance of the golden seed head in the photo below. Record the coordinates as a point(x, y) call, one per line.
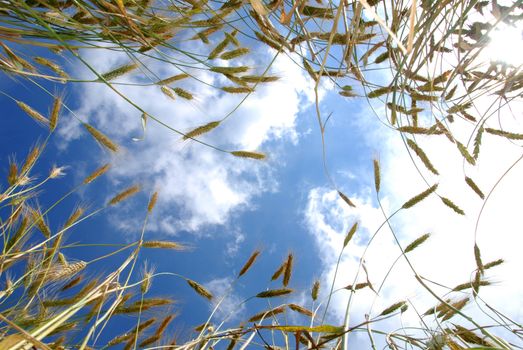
point(279, 271)
point(350, 234)
point(229, 55)
point(101, 138)
point(198, 288)
point(124, 194)
point(163, 325)
point(32, 113)
point(300, 309)
point(229, 70)
point(39, 221)
point(97, 173)
point(55, 112)
point(117, 72)
point(183, 93)
point(248, 154)
point(167, 91)
point(267, 313)
point(75, 215)
point(201, 130)
point(152, 202)
point(346, 199)
point(315, 290)
point(274, 293)
point(219, 48)
point(249, 263)
point(392, 308)
point(31, 160)
point(172, 79)
point(377, 176)
point(13, 173)
point(288, 270)
point(237, 89)
point(163, 245)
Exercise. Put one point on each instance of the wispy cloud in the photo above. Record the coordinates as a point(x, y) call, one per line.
point(228, 305)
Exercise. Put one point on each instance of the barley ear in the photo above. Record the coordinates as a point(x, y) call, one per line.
point(163, 245)
point(452, 206)
point(474, 187)
point(55, 112)
point(346, 199)
point(119, 71)
point(279, 271)
point(152, 202)
point(32, 113)
point(101, 138)
point(350, 234)
point(287, 272)
point(97, 173)
point(392, 308)
point(465, 153)
point(248, 154)
point(274, 293)
point(377, 176)
point(124, 195)
point(315, 290)
point(418, 198)
point(249, 263)
point(198, 288)
point(422, 156)
point(201, 130)
point(417, 242)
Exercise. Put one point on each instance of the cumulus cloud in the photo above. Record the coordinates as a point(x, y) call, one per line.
point(198, 185)
point(447, 258)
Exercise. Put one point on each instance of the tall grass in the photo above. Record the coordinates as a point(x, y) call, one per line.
point(433, 74)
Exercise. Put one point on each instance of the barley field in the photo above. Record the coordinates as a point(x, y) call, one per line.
point(230, 174)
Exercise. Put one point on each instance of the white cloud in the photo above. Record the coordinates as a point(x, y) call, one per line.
point(201, 186)
point(447, 258)
point(227, 305)
point(233, 245)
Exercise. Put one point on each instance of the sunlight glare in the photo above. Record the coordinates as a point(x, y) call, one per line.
point(506, 45)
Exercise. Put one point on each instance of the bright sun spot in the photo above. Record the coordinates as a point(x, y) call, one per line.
point(506, 45)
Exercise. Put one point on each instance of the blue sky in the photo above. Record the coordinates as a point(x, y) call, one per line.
point(223, 208)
